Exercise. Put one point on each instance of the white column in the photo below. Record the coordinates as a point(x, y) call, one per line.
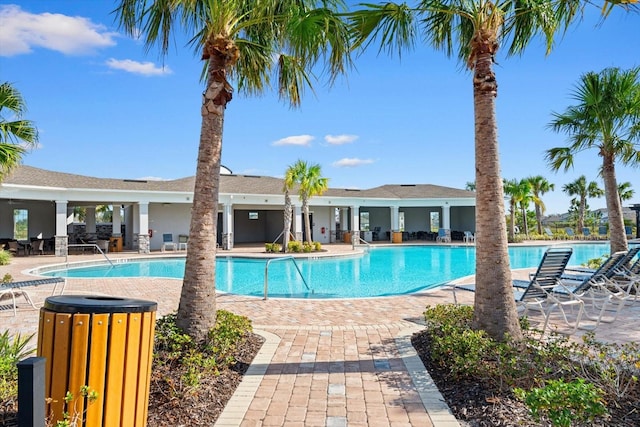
point(395, 218)
point(355, 223)
point(297, 222)
point(90, 219)
point(141, 226)
point(116, 221)
point(61, 237)
point(332, 225)
point(227, 226)
point(446, 216)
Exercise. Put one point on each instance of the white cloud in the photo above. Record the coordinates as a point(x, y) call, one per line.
point(71, 35)
point(135, 67)
point(304, 140)
point(352, 163)
point(340, 139)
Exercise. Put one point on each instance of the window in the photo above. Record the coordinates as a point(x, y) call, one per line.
point(20, 224)
point(434, 221)
point(401, 220)
point(364, 221)
point(253, 215)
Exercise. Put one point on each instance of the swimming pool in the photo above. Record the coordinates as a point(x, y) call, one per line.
point(381, 271)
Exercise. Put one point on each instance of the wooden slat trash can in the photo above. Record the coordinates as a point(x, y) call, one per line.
point(104, 343)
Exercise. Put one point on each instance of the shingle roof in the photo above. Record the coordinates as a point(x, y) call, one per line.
point(229, 184)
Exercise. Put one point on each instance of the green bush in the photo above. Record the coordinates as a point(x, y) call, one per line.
point(563, 402)
point(294, 246)
point(272, 247)
point(317, 246)
point(307, 247)
point(12, 350)
point(5, 257)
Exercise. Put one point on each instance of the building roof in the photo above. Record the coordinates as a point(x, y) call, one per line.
point(229, 184)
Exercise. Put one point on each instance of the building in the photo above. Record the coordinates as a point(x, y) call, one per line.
point(250, 210)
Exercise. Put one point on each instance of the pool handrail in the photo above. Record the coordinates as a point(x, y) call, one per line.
point(266, 273)
point(86, 245)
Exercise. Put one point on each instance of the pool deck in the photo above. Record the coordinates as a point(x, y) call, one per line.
point(342, 362)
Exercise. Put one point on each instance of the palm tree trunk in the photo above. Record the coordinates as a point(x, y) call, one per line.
point(494, 305)
point(539, 219)
point(618, 237)
point(583, 203)
point(524, 221)
point(512, 226)
point(307, 222)
point(287, 221)
point(197, 307)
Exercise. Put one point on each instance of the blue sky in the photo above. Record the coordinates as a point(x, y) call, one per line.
point(105, 107)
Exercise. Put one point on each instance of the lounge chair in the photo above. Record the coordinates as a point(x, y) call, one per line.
point(569, 232)
point(586, 232)
point(183, 239)
point(469, 237)
point(444, 235)
point(534, 294)
point(628, 230)
point(549, 233)
point(602, 232)
point(167, 241)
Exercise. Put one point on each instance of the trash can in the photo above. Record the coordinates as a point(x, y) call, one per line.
point(115, 244)
point(105, 343)
point(346, 236)
point(397, 237)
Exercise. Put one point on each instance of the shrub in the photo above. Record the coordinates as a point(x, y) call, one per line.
point(562, 402)
point(272, 247)
point(317, 246)
point(12, 350)
point(5, 257)
point(7, 278)
point(307, 247)
point(294, 246)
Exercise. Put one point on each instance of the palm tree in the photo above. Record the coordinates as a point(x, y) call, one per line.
point(520, 196)
point(473, 31)
point(311, 184)
point(470, 186)
point(582, 191)
point(625, 191)
point(289, 183)
point(606, 118)
point(254, 43)
point(539, 186)
point(16, 133)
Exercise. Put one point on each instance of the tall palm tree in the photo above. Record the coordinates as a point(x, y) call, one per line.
point(289, 183)
point(474, 31)
point(581, 191)
point(311, 182)
point(539, 186)
point(254, 43)
point(520, 196)
point(605, 118)
point(16, 133)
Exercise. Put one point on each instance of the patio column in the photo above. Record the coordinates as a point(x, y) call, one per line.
point(61, 237)
point(227, 226)
point(355, 224)
point(90, 219)
point(116, 221)
point(395, 218)
point(297, 222)
point(142, 219)
point(446, 216)
point(332, 225)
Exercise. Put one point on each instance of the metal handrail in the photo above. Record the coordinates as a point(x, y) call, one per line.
point(86, 245)
point(266, 273)
point(360, 240)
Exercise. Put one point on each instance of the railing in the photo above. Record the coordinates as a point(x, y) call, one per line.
point(87, 245)
point(360, 240)
point(266, 273)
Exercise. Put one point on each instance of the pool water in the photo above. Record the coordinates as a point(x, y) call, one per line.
point(381, 271)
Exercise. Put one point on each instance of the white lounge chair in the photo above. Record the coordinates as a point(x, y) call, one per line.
point(167, 242)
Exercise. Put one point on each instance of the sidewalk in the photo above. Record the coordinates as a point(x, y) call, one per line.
point(325, 362)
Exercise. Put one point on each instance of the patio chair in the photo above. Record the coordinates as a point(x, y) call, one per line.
point(628, 230)
point(586, 232)
point(534, 294)
point(182, 242)
point(444, 235)
point(469, 237)
point(167, 241)
point(569, 232)
point(602, 232)
point(549, 233)
point(13, 247)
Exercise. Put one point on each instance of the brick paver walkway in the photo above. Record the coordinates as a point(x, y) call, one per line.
point(325, 362)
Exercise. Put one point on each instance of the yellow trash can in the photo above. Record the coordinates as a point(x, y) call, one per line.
point(105, 343)
point(397, 237)
point(346, 236)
